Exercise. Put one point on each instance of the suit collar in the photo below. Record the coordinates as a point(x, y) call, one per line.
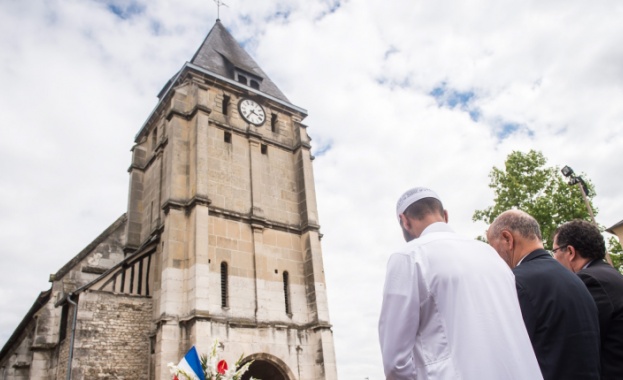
point(538, 253)
point(595, 263)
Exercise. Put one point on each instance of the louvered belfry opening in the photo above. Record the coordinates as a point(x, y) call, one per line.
point(286, 292)
point(225, 105)
point(224, 285)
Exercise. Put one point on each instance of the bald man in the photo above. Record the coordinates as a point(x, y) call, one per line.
point(559, 313)
point(450, 308)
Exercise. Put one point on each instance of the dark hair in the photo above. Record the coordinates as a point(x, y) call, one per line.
point(584, 237)
point(423, 207)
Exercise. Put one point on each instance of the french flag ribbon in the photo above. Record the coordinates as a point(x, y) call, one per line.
point(191, 364)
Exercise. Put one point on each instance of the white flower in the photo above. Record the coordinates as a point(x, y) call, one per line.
point(211, 364)
point(173, 368)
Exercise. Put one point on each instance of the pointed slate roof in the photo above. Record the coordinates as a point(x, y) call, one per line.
point(221, 54)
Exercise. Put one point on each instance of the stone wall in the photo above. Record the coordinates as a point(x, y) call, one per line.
point(112, 337)
point(16, 364)
point(301, 354)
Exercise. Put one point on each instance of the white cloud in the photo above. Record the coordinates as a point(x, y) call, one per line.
point(78, 82)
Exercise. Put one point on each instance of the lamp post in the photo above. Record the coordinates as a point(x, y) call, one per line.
point(577, 180)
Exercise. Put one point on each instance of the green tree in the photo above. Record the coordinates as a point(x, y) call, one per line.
point(527, 184)
point(616, 253)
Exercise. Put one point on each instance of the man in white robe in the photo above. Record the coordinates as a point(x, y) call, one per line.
point(450, 308)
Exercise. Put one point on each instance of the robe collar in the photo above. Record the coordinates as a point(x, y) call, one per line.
point(436, 227)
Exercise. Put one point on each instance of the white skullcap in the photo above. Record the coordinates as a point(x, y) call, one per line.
point(411, 196)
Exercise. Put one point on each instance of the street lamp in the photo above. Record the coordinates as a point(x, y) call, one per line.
point(567, 171)
point(577, 180)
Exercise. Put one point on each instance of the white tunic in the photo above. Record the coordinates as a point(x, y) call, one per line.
point(450, 311)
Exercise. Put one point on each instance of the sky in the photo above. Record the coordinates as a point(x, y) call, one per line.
point(399, 94)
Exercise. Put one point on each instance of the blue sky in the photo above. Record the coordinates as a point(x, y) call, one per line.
point(125, 9)
point(452, 98)
point(398, 94)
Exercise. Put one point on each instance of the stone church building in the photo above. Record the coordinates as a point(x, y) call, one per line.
point(220, 241)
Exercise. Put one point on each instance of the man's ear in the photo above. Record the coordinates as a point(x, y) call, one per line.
point(404, 221)
point(445, 215)
point(507, 237)
point(573, 254)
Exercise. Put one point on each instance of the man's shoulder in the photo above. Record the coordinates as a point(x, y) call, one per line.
point(448, 241)
point(536, 263)
point(602, 269)
point(604, 275)
point(439, 232)
point(440, 249)
point(543, 269)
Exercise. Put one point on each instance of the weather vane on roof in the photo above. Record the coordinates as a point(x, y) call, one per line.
point(218, 8)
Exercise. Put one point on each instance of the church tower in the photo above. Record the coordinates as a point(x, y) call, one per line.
point(222, 221)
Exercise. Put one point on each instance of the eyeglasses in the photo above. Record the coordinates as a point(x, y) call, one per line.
point(561, 247)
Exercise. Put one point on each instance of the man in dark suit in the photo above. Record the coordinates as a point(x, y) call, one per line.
point(559, 312)
point(579, 246)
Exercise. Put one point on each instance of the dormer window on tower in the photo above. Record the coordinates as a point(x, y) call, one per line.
point(247, 78)
point(242, 79)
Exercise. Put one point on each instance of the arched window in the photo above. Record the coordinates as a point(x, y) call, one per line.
point(224, 286)
point(286, 292)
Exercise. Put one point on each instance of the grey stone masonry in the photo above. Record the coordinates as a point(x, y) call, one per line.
point(112, 337)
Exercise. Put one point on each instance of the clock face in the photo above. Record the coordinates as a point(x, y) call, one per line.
point(252, 112)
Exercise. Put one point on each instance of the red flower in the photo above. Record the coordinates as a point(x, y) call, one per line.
point(221, 367)
point(175, 377)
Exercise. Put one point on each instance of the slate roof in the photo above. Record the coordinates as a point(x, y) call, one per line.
point(220, 54)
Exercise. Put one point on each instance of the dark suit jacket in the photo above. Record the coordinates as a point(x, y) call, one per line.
point(560, 316)
point(606, 286)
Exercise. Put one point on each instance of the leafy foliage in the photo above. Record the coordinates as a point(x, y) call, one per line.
point(616, 253)
point(527, 184)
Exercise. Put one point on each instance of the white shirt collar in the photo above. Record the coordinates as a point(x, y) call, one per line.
point(521, 260)
point(436, 227)
point(587, 264)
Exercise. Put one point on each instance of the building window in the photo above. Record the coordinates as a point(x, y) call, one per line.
point(286, 292)
point(264, 149)
point(224, 286)
point(247, 78)
point(151, 214)
point(225, 104)
point(273, 122)
point(62, 333)
point(227, 137)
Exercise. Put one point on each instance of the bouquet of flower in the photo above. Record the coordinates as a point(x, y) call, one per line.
point(207, 367)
